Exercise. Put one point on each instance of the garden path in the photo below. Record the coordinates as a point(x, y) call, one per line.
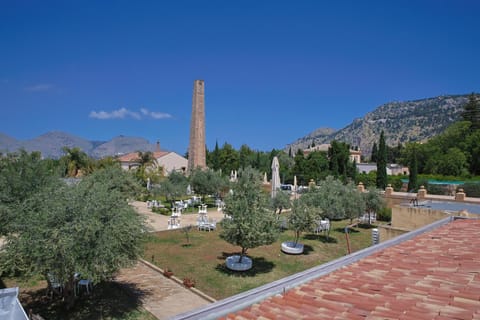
point(162, 297)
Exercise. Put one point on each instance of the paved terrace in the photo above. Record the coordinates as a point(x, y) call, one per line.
point(159, 222)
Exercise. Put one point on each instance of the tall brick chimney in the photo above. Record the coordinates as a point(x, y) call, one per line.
point(196, 149)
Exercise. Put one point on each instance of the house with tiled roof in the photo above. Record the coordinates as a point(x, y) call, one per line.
point(168, 160)
point(429, 273)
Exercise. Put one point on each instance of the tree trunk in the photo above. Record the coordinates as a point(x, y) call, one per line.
point(69, 293)
point(244, 251)
point(297, 236)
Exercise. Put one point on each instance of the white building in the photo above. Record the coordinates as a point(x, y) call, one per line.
point(169, 161)
point(392, 169)
point(355, 155)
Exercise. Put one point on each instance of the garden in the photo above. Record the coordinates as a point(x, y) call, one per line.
point(202, 257)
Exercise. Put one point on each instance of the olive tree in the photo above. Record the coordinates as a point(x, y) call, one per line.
point(172, 187)
point(85, 228)
point(21, 175)
point(353, 202)
point(281, 201)
point(334, 200)
point(301, 218)
point(374, 201)
point(208, 181)
point(252, 223)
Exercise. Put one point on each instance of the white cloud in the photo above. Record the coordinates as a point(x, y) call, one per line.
point(41, 87)
point(155, 115)
point(123, 113)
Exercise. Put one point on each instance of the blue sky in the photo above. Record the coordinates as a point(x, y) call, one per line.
point(273, 70)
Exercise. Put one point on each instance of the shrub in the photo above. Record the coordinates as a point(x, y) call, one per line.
point(162, 211)
point(471, 189)
point(384, 214)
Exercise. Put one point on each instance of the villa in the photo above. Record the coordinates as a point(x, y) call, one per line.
point(169, 161)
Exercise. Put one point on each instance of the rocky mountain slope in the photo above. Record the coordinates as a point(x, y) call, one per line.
point(51, 144)
point(417, 120)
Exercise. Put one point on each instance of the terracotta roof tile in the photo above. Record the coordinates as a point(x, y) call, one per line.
point(436, 275)
point(133, 156)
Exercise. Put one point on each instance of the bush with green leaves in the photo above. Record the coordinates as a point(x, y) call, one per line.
point(374, 201)
point(301, 218)
point(281, 201)
point(471, 189)
point(384, 214)
point(87, 228)
point(252, 223)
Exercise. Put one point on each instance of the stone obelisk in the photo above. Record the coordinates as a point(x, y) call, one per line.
point(196, 149)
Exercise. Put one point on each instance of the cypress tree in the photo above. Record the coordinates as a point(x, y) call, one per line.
point(374, 156)
point(412, 179)
point(382, 163)
point(471, 112)
point(215, 157)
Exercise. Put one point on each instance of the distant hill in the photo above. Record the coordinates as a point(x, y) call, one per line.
point(417, 120)
point(51, 144)
point(8, 143)
point(122, 145)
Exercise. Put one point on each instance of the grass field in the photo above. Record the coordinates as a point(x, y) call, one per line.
point(203, 258)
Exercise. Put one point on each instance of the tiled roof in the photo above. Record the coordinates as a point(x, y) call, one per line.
point(435, 275)
point(133, 156)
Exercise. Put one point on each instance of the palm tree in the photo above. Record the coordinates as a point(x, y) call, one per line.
point(76, 162)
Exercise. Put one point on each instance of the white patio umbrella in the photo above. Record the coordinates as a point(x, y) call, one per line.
point(294, 183)
point(275, 176)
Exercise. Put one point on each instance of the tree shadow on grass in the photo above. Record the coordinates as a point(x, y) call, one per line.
point(110, 300)
point(342, 230)
point(2, 284)
point(320, 237)
point(366, 226)
point(259, 266)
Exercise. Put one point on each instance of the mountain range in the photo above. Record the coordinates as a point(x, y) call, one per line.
point(51, 144)
point(417, 120)
point(408, 121)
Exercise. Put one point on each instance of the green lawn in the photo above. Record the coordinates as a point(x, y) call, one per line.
point(203, 260)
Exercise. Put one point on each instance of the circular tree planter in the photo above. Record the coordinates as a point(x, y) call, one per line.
point(233, 264)
point(291, 248)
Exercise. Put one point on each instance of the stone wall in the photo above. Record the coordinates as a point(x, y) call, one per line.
point(388, 232)
point(411, 218)
point(407, 215)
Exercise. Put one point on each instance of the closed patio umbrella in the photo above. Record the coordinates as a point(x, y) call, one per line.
point(275, 176)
